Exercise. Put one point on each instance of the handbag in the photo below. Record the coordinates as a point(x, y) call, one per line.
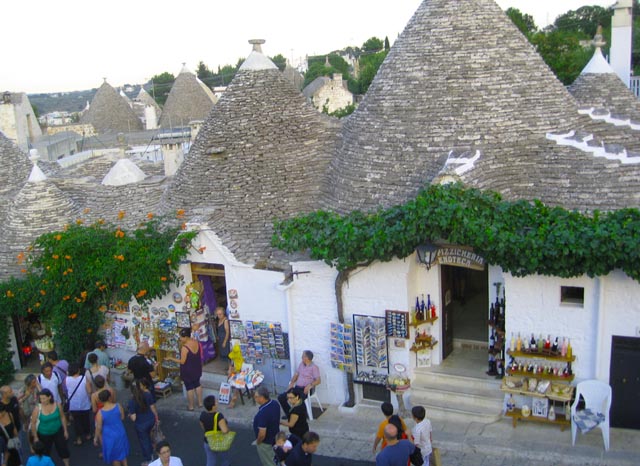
point(416, 457)
point(218, 440)
point(14, 442)
point(67, 403)
point(156, 434)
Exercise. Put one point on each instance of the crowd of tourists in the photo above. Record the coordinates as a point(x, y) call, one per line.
point(78, 394)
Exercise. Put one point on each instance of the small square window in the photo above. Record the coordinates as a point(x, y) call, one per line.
point(573, 295)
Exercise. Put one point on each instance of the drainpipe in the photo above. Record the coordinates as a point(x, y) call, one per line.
point(600, 332)
point(285, 287)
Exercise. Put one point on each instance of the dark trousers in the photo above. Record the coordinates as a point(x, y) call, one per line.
point(56, 439)
point(282, 399)
point(82, 423)
point(143, 431)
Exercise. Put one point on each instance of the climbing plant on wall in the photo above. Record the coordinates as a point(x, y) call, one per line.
point(522, 237)
point(71, 277)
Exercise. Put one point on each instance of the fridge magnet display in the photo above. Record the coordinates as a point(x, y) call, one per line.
point(233, 294)
point(399, 343)
point(397, 324)
point(182, 319)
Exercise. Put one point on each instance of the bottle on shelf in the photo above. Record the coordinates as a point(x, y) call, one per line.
point(422, 309)
point(512, 346)
point(519, 344)
point(554, 347)
point(492, 341)
point(428, 308)
point(540, 343)
point(563, 348)
point(418, 318)
point(492, 314)
point(532, 343)
point(547, 343)
point(433, 311)
point(569, 350)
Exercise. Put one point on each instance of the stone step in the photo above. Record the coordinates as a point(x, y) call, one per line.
point(429, 377)
point(457, 395)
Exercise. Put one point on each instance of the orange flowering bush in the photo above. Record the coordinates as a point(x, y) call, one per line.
point(73, 276)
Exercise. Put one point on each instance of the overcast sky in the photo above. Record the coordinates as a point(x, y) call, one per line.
point(65, 45)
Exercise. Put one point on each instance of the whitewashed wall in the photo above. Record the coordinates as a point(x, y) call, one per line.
point(610, 307)
point(620, 316)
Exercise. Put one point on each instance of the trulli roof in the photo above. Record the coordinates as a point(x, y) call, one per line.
point(259, 156)
point(189, 99)
point(463, 94)
point(109, 112)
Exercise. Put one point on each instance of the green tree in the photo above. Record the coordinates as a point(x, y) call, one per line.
point(387, 46)
point(161, 86)
point(563, 53)
point(279, 61)
point(203, 72)
point(524, 22)
point(369, 65)
point(372, 44)
point(584, 20)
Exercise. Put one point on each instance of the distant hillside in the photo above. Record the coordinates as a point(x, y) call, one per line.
point(61, 101)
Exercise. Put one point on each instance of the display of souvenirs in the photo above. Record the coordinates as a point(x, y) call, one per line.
point(397, 324)
point(370, 344)
point(259, 340)
point(342, 347)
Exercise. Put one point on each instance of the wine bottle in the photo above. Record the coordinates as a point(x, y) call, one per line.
point(532, 343)
point(428, 308)
point(519, 344)
point(569, 350)
point(540, 343)
point(554, 348)
point(563, 349)
point(547, 342)
point(422, 305)
point(492, 341)
point(492, 314)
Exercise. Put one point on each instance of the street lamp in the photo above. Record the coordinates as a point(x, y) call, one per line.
point(427, 254)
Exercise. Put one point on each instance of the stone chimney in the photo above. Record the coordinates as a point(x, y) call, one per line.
point(620, 55)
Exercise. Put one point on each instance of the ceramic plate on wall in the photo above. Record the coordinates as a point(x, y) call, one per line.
point(177, 298)
point(171, 308)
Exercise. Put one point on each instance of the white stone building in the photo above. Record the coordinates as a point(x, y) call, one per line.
point(328, 93)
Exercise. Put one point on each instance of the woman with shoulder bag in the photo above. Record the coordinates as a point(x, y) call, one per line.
point(207, 419)
point(9, 433)
point(143, 413)
point(49, 425)
point(79, 402)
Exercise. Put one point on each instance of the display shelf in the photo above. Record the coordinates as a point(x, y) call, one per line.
point(550, 393)
point(516, 415)
point(541, 355)
point(430, 320)
point(423, 346)
point(559, 378)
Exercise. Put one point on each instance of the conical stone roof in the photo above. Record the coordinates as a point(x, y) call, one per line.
point(109, 112)
point(259, 156)
point(190, 99)
point(15, 168)
point(599, 87)
point(460, 77)
point(146, 99)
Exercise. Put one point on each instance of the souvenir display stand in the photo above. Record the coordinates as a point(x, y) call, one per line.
point(166, 344)
point(544, 378)
point(423, 316)
point(371, 356)
point(342, 347)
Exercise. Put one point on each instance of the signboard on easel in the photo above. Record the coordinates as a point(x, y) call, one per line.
point(225, 393)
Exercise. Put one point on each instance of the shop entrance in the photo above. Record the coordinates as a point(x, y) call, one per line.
point(214, 294)
point(624, 379)
point(465, 298)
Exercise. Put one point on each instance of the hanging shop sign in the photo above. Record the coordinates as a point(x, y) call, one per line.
point(459, 256)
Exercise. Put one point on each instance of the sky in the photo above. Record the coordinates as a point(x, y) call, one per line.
point(71, 45)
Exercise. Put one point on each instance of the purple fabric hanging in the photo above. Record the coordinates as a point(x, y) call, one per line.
point(209, 298)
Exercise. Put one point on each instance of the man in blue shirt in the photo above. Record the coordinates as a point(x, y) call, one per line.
point(302, 453)
point(266, 424)
point(397, 452)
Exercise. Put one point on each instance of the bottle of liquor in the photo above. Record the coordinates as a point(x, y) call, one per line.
point(428, 308)
point(512, 346)
point(433, 311)
point(418, 315)
point(422, 306)
point(519, 344)
point(554, 347)
point(492, 341)
point(540, 343)
point(547, 342)
point(532, 343)
point(563, 349)
point(569, 349)
point(492, 314)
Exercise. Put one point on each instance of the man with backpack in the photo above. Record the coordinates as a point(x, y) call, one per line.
point(49, 379)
